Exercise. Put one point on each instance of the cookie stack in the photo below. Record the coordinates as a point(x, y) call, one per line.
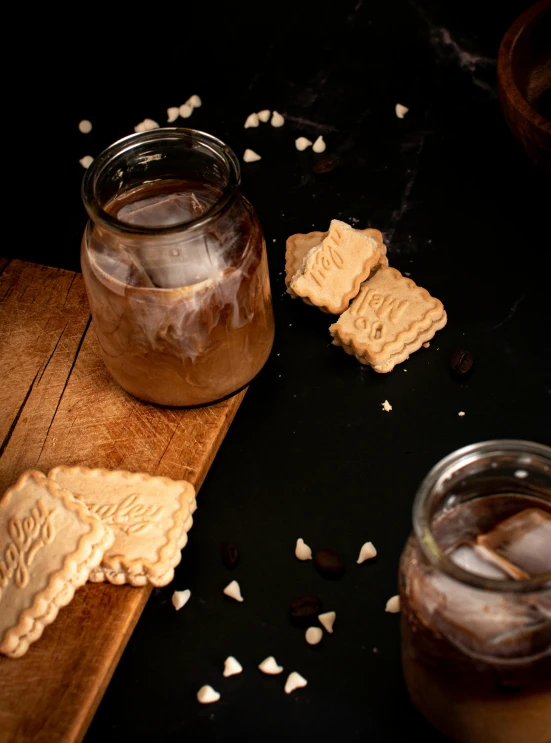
point(81, 524)
point(384, 316)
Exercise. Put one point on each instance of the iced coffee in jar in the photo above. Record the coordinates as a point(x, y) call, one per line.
point(475, 591)
point(174, 263)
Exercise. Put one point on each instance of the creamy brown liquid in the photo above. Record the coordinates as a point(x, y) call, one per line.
point(182, 319)
point(477, 664)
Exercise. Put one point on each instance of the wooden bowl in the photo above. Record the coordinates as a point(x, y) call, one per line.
point(524, 81)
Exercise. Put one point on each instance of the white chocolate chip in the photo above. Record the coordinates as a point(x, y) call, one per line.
point(387, 407)
point(319, 145)
point(207, 695)
point(172, 114)
point(232, 667)
point(461, 413)
point(277, 119)
point(146, 125)
point(85, 126)
point(367, 552)
point(393, 605)
point(264, 115)
point(302, 550)
point(233, 591)
point(185, 110)
point(270, 667)
point(401, 111)
point(251, 121)
point(328, 620)
point(86, 161)
point(294, 681)
point(313, 635)
point(180, 598)
point(302, 143)
point(195, 102)
point(250, 156)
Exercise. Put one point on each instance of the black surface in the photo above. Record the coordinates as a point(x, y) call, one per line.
point(311, 454)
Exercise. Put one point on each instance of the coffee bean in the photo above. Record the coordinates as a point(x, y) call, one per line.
point(461, 362)
point(305, 608)
point(229, 554)
point(329, 563)
point(325, 165)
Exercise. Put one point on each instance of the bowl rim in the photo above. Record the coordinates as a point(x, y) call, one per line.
point(506, 80)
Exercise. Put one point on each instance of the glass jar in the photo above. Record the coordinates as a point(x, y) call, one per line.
point(175, 268)
point(475, 594)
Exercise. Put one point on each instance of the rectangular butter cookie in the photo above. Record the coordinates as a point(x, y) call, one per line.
point(330, 273)
point(150, 517)
point(49, 543)
point(390, 319)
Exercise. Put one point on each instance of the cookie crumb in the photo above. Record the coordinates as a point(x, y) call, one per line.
point(207, 695)
point(393, 605)
point(426, 345)
point(461, 413)
point(251, 121)
point(328, 620)
point(387, 407)
point(302, 550)
point(294, 681)
point(85, 126)
point(86, 161)
point(233, 591)
point(319, 145)
point(301, 143)
point(180, 598)
point(231, 667)
point(270, 666)
point(172, 114)
point(277, 120)
point(264, 115)
point(400, 110)
point(313, 635)
point(367, 552)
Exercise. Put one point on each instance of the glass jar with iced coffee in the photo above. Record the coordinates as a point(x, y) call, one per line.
point(174, 263)
point(475, 591)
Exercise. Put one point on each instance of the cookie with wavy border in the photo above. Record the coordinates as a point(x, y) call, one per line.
point(150, 517)
point(330, 273)
point(390, 319)
point(49, 544)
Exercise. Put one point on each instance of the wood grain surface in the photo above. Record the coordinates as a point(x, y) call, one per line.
point(58, 405)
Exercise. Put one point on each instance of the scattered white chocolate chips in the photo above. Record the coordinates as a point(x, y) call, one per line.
point(231, 667)
point(207, 695)
point(294, 681)
point(146, 125)
point(180, 598)
point(277, 120)
point(319, 145)
point(401, 111)
point(387, 407)
point(185, 110)
point(393, 605)
point(302, 550)
point(264, 115)
point(313, 635)
point(366, 553)
point(172, 114)
point(194, 101)
point(85, 126)
point(233, 591)
point(270, 667)
point(86, 161)
point(301, 143)
point(461, 413)
point(328, 620)
point(251, 121)
point(250, 156)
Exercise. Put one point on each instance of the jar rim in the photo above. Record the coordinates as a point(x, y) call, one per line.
point(422, 517)
point(98, 214)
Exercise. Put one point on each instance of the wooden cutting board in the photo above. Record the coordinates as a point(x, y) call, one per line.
point(58, 405)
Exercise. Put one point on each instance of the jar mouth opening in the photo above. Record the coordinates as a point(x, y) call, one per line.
point(422, 516)
point(131, 144)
